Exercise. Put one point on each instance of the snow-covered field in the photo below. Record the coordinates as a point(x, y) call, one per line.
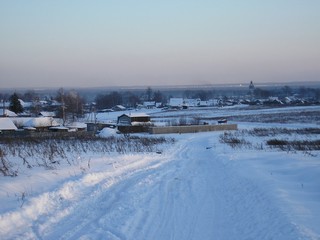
point(198, 188)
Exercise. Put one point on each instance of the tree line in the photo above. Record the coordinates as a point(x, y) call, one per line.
point(70, 104)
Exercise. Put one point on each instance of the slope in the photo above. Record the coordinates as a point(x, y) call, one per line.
point(190, 192)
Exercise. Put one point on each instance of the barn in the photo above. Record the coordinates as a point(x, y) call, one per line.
point(133, 123)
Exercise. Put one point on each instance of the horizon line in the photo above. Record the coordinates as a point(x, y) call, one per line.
point(167, 86)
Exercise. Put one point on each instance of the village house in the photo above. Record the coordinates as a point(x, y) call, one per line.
point(149, 104)
point(59, 129)
point(119, 108)
point(176, 102)
point(132, 123)
point(77, 126)
point(6, 125)
point(7, 113)
point(47, 114)
point(39, 124)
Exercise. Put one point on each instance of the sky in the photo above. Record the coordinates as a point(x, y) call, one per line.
point(82, 43)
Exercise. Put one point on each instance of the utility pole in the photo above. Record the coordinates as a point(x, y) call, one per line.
point(63, 107)
point(4, 108)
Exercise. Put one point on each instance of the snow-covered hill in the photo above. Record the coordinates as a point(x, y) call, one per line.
point(199, 188)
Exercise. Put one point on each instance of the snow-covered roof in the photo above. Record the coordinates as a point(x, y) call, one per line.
point(123, 120)
point(137, 115)
point(20, 121)
point(54, 103)
point(149, 103)
point(43, 102)
point(59, 128)
point(47, 114)
point(7, 124)
point(25, 104)
point(203, 103)
point(41, 122)
point(77, 125)
point(8, 113)
point(107, 132)
point(29, 128)
point(21, 101)
point(141, 124)
point(191, 102)
point(176, 102)
point(119, 107)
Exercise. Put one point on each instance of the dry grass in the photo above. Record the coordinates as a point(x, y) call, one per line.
point(48, 152)
point(284, 139)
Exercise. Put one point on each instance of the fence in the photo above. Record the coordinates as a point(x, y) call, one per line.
point(193, 128)
point(31, 134)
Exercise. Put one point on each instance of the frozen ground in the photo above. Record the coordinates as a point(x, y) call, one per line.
point(237, 113)
point(198, 188)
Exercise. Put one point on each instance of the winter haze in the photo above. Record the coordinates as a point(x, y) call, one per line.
point(125, 43)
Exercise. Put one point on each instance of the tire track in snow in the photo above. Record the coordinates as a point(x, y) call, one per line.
point(193, 195)
point(197, 196)
point(67, 207)
point(102, 205)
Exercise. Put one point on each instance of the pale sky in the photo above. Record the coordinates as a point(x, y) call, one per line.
point(92, 43)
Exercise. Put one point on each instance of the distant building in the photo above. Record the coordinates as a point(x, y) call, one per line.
point(251, 87)
point(119, 108)
point(176, 102)
point(59, 129)
point(47, 114)
point(7, 113)
point(132, 123)
point(149, 104)
point(77, 126)
point(40, 124)
point(6, 125)
point(203, 104)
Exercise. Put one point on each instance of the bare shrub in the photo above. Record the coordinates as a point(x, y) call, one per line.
point(47, 151)
point(297, 145)
point(308, 131)
point(263, 132)
point(5, 167)
point(233, 140)
point(284, 117)
point(276, 143)
point(238, 139)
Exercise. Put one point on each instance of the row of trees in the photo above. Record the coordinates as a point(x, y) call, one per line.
point(71, 104)
point(128, 99)
point(287, 91)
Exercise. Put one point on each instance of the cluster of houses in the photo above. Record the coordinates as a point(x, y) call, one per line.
point(49, 106)
point(46, 121)
point(184, 103)
point(125, 123)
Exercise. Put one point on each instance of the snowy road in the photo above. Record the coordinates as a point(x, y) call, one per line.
point(187, 193)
